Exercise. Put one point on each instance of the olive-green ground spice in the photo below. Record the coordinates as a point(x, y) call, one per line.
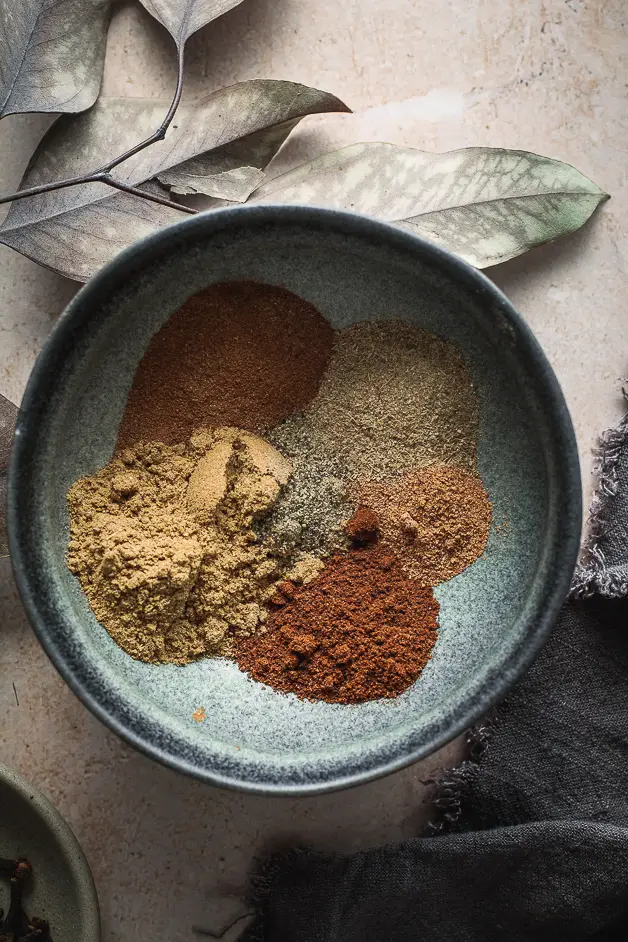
point(313, 506)
point(394, 398)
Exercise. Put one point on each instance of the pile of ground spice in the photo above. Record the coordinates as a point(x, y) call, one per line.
point(395, 398)
point(162, 542)
point(437, 520)
point(315, 503)
point(360, 631)
point(308, 555)
point(364, 527)
point(240, 353)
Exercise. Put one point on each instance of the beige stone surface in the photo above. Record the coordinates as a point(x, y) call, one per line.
point(545, 75)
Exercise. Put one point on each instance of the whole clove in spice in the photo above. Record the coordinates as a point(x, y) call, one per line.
point(363, 527)
point(16, 926)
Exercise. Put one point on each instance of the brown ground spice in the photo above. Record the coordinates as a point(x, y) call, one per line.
point(436, 520)
point(360, 631)
point(363, 527)
point(241, 354)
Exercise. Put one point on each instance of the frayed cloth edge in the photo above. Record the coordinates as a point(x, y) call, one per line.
point(593, 575)
point(447, 799)
point(261, 884)
point(454, 783)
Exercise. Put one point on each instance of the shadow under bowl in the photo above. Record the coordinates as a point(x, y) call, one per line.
point(494, 616)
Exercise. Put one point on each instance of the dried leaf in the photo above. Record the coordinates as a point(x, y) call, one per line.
point(485, 204)
point(231, 172)
point(233, 184)
point(8, 415)
point(184, 17)
point(51, 54)
point(76, 230)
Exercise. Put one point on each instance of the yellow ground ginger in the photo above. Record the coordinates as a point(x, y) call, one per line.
point(162, 542)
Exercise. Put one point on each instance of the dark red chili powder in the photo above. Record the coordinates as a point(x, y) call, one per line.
point(363, 527)
point(360, 631)
point(239, 353)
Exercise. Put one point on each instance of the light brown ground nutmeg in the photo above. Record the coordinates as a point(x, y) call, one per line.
point(437, 520)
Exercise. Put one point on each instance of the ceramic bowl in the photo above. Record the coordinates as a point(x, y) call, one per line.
point(494, 617)
point(62, 889)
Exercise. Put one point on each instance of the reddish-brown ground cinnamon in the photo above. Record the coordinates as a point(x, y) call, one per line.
point(360, 631)
point(363, 527)
point(238, 353)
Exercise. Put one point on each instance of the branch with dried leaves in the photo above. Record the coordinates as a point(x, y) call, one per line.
point(103, 174)
point(44, 46)
point(76, 231)
point(485, 204)
point(181, 20)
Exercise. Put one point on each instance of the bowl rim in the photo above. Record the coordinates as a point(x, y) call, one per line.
point(52, 820)
point(477, 700)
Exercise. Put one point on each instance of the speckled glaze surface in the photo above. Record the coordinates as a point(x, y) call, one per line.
point(62, 890)
point(494, 617)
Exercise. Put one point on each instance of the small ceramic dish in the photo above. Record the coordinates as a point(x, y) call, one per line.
point(494, 616)
point(62, 890)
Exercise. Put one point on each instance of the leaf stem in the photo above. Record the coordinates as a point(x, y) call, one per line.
point(160, 133)
point(47, 187)
point(103, 175)
point(147, 195)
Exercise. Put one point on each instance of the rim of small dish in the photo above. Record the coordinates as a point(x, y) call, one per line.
point(52, 820)
point(388, 752)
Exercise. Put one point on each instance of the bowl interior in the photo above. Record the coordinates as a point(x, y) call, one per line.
point(493, 616)
point(62, 890)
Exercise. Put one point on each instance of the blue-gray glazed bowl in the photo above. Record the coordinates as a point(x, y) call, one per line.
point(494, 616)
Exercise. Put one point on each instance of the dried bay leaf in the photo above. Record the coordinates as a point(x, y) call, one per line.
point(485, 204)
point(75, 231)
point(231, 172)
point(80, 241)
point(8, 415)
point(51, 54)
point(182, 18)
